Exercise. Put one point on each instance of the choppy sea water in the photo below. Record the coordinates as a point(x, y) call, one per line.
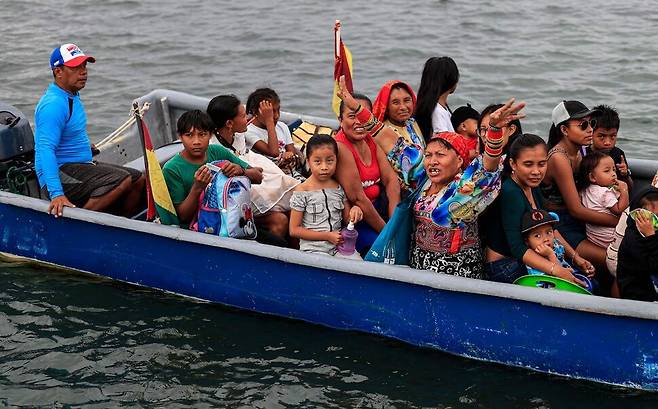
point(71, 340)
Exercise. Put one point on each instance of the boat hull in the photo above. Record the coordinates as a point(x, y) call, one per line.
point(586, 337)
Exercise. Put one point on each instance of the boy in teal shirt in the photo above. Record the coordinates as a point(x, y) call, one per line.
point(185, 174)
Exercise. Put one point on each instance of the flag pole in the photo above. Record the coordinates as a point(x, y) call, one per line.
point(337, 40)
point(150, 213)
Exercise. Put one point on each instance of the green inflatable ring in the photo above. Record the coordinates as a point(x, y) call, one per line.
point(550, 282)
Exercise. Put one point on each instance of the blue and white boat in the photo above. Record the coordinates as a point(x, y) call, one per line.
point(604, 340)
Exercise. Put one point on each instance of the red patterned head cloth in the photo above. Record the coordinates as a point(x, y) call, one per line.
point(381, 102)
point(459, 143)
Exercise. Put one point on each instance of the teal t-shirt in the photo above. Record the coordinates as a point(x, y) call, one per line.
point(503, 227)
point(179, 173)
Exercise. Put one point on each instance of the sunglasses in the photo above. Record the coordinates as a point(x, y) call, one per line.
point(584, 124)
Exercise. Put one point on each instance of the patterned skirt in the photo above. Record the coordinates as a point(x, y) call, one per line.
point(466, 263)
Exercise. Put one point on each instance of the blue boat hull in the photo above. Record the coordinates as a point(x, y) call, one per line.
point(429, 310)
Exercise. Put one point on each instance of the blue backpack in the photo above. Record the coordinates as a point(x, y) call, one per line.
point(225, 208)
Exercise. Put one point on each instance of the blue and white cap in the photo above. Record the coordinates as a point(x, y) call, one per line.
point(566, 110)
point(70, 55)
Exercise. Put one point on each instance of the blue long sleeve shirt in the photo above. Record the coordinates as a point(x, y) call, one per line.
point(59, 139)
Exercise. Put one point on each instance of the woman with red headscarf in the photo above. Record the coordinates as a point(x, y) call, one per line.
point(446, 238)
point(394, 106)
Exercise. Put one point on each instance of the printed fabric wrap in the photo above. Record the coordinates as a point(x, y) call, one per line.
point(407, 159)
point(399, 230)
point(464, 198)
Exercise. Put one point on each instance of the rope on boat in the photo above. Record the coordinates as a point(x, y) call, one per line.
point(120, 130)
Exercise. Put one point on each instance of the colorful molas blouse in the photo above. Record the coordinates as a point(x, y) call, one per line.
point(446, 222)
point(406, 158)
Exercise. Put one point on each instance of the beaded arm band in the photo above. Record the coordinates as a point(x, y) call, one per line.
point(368, 120)
point(493, 146)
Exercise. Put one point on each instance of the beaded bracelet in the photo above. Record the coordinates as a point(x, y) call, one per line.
point(494, 145)
point(367, 119)
point(493, 155)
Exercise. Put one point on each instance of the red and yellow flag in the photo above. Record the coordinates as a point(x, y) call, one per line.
point(342, 66)
point(157, 194)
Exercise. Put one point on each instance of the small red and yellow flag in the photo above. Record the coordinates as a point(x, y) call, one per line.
point(157, 194)
point(342, 66)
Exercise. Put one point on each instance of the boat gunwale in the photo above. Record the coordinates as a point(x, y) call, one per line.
point(556, 299)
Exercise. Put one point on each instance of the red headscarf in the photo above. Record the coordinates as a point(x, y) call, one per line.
point(459, 143)
point(381, 102)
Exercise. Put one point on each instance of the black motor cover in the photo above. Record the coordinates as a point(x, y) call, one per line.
point(16, 137)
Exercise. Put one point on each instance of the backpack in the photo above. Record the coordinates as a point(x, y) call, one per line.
point(225, 208)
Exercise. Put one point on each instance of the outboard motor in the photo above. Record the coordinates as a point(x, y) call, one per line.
point(17, 173)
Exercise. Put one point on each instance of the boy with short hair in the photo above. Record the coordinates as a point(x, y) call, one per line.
point(465, 122)
point(604, 139)
point(637, 260)
point(185, 174)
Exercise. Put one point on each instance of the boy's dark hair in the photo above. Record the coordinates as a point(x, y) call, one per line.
point(463, 113)
point(587, 165)
point(194, 119)
point(651, 197)
point(222, 108)
point(355, 95)
point(607, 117)
point(319, 140)
point(258, 96)
point(440, 74)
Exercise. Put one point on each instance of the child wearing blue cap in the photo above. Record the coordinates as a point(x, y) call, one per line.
point(537, 230)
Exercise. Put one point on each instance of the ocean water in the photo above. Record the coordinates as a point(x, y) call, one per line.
point(72, 341)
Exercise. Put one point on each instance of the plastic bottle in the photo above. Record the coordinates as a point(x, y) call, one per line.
point(389, 252)
point(349, 234)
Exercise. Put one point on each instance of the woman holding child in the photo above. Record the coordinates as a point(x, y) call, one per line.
point(507, 253)
point(394, 106)
point(358, 154)
point(446, 237)
point(571, 129)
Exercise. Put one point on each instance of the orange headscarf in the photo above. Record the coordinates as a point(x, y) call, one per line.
point(381, 102)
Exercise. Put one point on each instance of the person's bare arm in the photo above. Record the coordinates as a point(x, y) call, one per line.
point(255, 175)
point(576, 260)
point(266, 117)
point(188, 207)
point(298, 231)
point(499, 119)
point(536, 261)
point(623, 201)
point(347, 175)
point(390, 181)
point(561, 173)
point(386, 139)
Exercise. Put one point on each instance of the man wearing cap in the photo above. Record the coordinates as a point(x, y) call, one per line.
point(63, 157)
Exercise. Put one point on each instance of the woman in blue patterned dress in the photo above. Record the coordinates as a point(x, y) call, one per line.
point(446, 238)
